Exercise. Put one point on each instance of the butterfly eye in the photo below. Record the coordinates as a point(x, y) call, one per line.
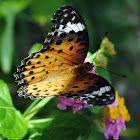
point(89, 66)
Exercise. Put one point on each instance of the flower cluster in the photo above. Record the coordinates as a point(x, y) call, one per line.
point(76, 104)
point(107, 47)
point(117, 115)
point(99, 58)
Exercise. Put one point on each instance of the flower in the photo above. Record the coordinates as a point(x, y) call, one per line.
point(117, 115)
point(107, 47)
point(118, 108)
point(64, 102)
point(76, 104)
point(101, 60)
point(114, 127)
point(114, 112)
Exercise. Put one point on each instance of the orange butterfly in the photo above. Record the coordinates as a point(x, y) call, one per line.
point(58, 68)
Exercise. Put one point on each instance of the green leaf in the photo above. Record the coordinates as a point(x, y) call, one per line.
point(34, 135)
point(40, 123)
point(7, 42)
point(8, 10)
point(30, 113)
point(103, 72)
point(36, 47)
point(15, 5)
point(94, 109)
point(67, 126)
point(12, 123)
point(4, 92)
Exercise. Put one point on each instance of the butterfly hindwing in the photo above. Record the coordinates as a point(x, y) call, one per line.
point(93, 89)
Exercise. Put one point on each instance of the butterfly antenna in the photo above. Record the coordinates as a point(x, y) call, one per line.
point(105, 34)
point(113, 72)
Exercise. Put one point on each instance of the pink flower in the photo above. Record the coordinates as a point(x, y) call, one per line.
point(76, 107)
point(110, 130)
point(64, 102)
point(109, 121)
point(114, 104)
point(86, 105)
point(114, 127)
point(120, 124)
point(76, 104)
point(61, 106)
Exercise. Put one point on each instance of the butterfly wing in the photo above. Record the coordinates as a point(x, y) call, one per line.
point(65, 46)
point(93, 89)
point(69, 35)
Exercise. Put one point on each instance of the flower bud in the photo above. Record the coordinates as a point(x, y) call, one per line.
point(107, 47)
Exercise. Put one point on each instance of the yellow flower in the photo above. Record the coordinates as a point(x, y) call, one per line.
point(117, 95)
point(114, 112)
point(120, 110)
point(124, 112)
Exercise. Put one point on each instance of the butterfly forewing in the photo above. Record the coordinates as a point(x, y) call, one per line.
point(53, 70)
point(69, 33)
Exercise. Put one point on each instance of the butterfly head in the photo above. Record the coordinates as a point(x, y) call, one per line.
point(83, 68)
point(88, 66)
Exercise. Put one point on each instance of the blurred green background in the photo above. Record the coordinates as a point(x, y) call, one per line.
point(26, 22)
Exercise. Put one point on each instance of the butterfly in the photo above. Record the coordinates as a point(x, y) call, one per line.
point(59, 68)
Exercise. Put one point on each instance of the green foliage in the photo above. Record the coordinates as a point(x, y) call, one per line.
point(7, 42)
point(8, 10)
point(66, 126)
point(12, 123)
point(103, 72)
point(95, 109)
point(36, 47)
point(40, 14)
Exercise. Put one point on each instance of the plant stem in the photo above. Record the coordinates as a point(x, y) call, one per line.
point(40, 121)
point(36, 108)
point(30, 107)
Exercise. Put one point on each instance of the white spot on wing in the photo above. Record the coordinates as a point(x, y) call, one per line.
point(65, 10)
point(104, 99)
point(65, 15)
point(45, 40)
point(107, 88)
point(102, 90)
point(61, 20)
point(73, 26)
point(66, 29)
point(73, 12)
point(111, 98)
point(80, 26)
point(95, 92)
point(73, 18)
point(91, 96)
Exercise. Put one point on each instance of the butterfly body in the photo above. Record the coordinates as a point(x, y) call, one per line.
point(59, 68)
